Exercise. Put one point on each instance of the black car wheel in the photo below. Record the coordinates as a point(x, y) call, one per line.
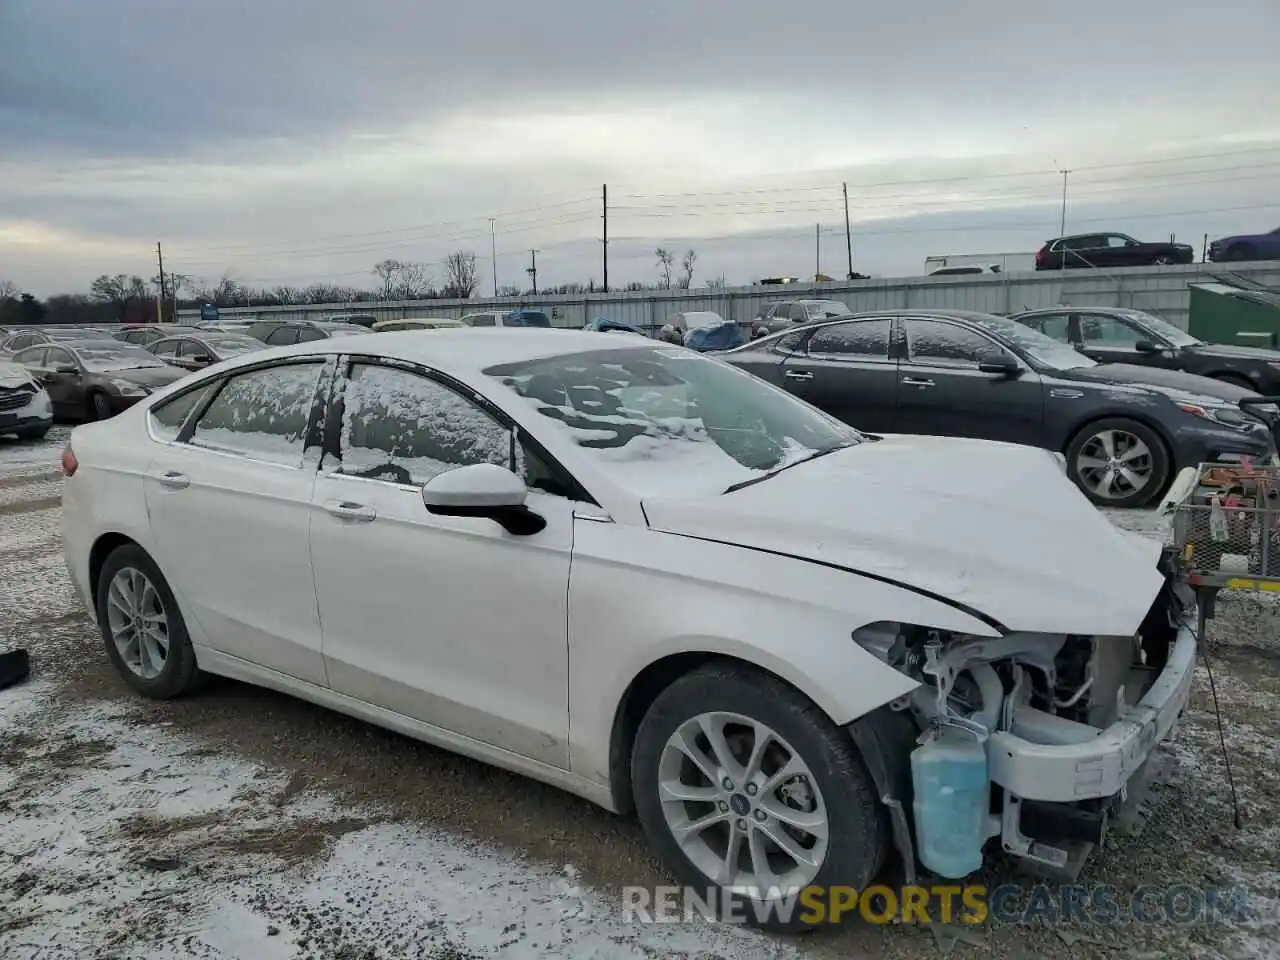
point(744, 785)
point(1118, 462)
point(99, 405)
point(1235, 379)
point(1163, 260)
point(142, 628)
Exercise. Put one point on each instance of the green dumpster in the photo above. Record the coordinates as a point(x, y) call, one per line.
point(1221, 313)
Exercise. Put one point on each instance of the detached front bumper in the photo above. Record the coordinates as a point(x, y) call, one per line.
point(1068, 762)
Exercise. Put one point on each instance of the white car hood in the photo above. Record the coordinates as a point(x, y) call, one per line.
point(13, 374)
point(996, 527)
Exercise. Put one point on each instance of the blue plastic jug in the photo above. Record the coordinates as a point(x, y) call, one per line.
point(952, 801)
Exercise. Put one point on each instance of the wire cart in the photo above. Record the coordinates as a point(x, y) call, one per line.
point(1225, 521)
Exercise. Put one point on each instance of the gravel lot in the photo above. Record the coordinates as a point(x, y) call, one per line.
point(241, 823)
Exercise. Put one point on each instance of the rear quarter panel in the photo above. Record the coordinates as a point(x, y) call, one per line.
point(106, 494)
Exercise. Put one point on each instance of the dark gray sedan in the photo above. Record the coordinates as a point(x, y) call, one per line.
point(95, 379)
point(1125, 430)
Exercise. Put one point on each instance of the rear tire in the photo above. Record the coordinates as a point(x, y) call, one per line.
point(1236, 380)
point(142, 627)
point(809, 788)
point(98, 406)
point(1119, 462)
point(1163, 260)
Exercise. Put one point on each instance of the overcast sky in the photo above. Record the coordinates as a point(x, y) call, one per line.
point(284, 141)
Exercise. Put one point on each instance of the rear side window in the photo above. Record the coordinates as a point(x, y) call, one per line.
point(862, 339)
point(306, 334)
point(262, 414)
point(167, 418)
point(1051, 325)
point(946, 344)
point(482, 321)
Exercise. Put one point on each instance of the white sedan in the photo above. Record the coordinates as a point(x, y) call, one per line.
point(651, 579)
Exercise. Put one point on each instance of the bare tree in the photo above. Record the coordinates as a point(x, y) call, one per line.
point(119, 292)
point(461, 280)
point(664, 264)
point(285, 295)
point(509, 290)
point(388, 271)
point(717, 283)
point(414, 282)
point(8, 290)
point(690, 258)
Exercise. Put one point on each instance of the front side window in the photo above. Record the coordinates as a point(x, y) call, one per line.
point(57, 357)
point(946, 344)
point(862, 338)
point(281, 336)
point(1099, 330)
point(403, 427)
point(167, 348)
point(168, 417)
point(262, 414)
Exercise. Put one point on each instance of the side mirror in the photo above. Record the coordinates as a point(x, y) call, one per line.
point(1005, 368)
point(483, 490)
point(66, 368)
point(1146, 346)
point(202, 358)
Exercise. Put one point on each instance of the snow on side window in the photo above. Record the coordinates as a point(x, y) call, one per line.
point(167, 418)
point(402, 427)
point(262, 414)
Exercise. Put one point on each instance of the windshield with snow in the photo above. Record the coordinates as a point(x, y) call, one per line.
point(106, 356)
point(669, 421)
point(1175, 335)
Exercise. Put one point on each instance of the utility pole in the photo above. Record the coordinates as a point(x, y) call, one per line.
point(848, 236)
point(493, 255)
point(817, 251)
point(604, 242)
point(532, 270)
point(1062, 226)
point(160, 296)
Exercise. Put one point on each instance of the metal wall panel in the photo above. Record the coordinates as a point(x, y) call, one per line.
point(1159, 290)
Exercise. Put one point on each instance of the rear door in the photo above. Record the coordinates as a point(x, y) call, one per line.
point(942, 391)
point(847, 370)
point(234, 483)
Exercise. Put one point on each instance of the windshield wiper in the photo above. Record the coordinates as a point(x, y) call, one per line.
point(794, 463)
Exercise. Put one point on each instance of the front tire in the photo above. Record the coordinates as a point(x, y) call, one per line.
point(142, 627)
point(99, 406)
point(1119, 462)
point(741, 782)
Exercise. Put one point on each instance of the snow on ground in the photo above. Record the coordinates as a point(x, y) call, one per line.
point(243, 824)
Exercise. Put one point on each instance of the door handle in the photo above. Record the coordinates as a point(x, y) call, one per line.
point(914, 382)
point(798, 375)
point(346, 510)
point(174, 480)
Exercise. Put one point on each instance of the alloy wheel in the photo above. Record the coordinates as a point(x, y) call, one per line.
point(743, 805)
point(1115, 464)
point(138, 623)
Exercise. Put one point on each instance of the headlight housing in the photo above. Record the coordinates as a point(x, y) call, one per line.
point(129, 389)
point(1224, 415)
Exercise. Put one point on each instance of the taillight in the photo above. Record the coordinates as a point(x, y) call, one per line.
point(1040, 257)
point(69, 461)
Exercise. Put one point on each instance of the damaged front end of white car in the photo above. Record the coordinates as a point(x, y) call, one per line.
point(1043, 740)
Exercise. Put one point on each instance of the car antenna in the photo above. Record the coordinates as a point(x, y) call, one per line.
point(1203, 641)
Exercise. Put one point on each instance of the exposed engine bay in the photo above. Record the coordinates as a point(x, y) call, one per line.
point(1043, 740)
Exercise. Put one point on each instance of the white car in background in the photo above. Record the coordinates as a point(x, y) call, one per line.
point(25, 409)
point(417, 323)
point(648, 578)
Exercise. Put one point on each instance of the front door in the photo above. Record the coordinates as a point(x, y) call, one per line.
point(847, 371)
point(66, 389)
point(230, 507)
point(942, 391)
point(449, 620)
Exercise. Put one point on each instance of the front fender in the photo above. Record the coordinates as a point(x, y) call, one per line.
point(637, 596)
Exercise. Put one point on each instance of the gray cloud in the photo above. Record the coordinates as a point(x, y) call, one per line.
point(293, 140)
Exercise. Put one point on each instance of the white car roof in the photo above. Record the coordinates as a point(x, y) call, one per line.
point(462, 349)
